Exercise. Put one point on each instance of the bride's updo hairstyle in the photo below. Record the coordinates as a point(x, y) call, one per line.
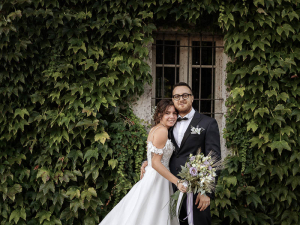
point(161, 109)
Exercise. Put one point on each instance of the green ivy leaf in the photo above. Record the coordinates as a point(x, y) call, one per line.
point(258, 44)
point(261, 111)
point(12, 191)
point(102, 137)
point(253, 198)
point(285, 28)
point(281, 108)
point(294, 181)
point(47, 186)
point(235, 214)
point(91, 153)
point(279, 145)
point(44, 174)
point(92, 191)
point(231, 180)
point(252, 125)
point(17, 214)
point(287, 130)
point(113, 163)
point(270, 93)
point(296, 112)
point(43, 215)
point(21, 113)
point(238, 91)
point(260, 69)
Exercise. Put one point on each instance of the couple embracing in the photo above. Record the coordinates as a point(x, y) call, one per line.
point(169, 145)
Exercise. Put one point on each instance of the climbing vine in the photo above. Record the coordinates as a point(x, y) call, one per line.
point(262, 40)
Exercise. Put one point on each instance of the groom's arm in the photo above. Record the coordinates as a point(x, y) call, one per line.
point(212, 142)
point(212, 138)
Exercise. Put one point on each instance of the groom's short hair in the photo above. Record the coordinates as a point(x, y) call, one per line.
point(182, 84)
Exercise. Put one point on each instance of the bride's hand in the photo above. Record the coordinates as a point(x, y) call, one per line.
point(143, 171)
point(181, 188)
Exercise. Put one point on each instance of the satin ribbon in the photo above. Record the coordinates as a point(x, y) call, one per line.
point(189, 206)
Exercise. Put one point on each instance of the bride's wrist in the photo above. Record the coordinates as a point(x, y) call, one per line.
point(178, 182)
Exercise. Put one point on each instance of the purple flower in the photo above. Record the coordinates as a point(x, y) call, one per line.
point(192, 158)
point(209, 168)
point(193, 171)
point(188, 165)
point(206, 163)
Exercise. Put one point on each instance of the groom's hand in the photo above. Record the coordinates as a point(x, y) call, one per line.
point(143, 171)
point(203, 200)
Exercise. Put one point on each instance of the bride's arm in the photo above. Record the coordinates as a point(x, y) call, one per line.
point(160, 139)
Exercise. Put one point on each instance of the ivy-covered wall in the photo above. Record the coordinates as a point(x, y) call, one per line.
point(261, 184)
point(70, 144)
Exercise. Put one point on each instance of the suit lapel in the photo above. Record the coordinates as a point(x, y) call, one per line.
point(171, 136)
point(196, 119)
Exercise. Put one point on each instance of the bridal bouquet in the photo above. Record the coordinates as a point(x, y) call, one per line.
point(199, 174)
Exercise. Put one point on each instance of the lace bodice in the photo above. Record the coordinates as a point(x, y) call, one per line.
point(166, 151)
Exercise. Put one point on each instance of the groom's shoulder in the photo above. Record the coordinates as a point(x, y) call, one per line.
point(206, 118)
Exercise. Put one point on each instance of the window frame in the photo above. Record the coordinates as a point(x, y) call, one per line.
point(185, 66)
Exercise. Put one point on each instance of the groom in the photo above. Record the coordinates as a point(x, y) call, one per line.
point(186, 143)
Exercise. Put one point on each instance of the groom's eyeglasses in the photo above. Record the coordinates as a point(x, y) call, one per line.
point(184, 96)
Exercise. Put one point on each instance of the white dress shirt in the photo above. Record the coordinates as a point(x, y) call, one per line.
point(180, 127)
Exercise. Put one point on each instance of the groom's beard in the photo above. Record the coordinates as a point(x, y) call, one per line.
point(184, 111)
point(186, 106)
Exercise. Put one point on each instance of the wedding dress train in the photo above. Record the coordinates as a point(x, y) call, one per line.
point(147, 203)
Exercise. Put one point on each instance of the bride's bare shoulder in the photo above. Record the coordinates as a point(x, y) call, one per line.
point(160, 137)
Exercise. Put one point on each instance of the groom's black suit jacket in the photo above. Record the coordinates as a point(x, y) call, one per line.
point(208, 140)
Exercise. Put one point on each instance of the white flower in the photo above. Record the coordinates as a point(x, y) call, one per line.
point(196, 130)
point(153, 112)
point(209, 177)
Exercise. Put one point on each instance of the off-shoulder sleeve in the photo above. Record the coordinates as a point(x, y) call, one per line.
point(155, 150)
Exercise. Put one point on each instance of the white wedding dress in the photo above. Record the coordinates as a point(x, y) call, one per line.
point(147, 203)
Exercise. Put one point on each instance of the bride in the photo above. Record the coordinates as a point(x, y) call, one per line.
point(147, 203)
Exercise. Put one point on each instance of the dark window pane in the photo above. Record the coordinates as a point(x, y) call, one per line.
point(159, 52)
point(170, 52)
point(169, 81)
point(206, 81)
point(214, 54)
point(195, 82)
point(206, 54)
point(158, 82)
point(205, 106)
point(196, 105)
point(196, 53)
point(157, 101)
point(177, 75)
